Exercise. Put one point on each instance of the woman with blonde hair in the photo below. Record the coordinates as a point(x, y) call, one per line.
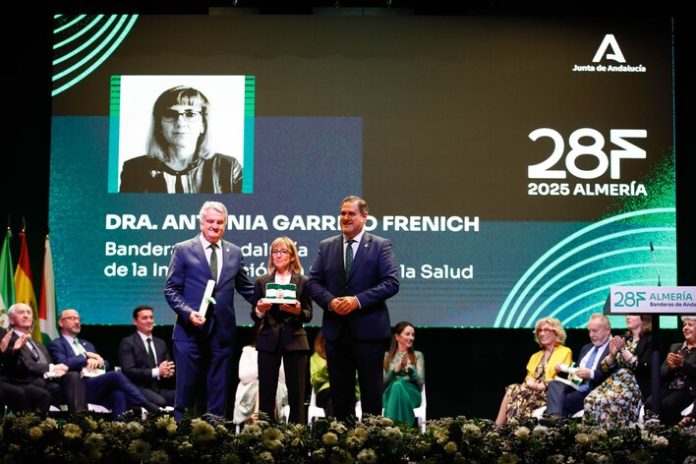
point(179, 158)
point(521, 399)
point(281, 335)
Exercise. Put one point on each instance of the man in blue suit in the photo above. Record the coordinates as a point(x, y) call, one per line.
point(352, 277)
point(111, 389)
point(563, 400)
point(204, 344)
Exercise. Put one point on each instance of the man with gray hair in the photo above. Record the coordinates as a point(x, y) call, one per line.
point(563, 400)
point(31, 366)
point(204, 343)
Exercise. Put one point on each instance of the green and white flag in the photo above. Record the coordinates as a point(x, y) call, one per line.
point(7, 288)
point(280, 293)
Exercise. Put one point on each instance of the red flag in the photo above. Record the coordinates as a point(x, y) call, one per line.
point(24, 288)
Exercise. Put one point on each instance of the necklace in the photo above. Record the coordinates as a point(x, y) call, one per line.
point(547, 354)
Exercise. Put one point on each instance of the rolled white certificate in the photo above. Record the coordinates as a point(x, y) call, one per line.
point(207, 297)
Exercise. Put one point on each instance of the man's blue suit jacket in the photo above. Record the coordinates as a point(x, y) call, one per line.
point(374, 277)
point(188, 276)
point(62, 352)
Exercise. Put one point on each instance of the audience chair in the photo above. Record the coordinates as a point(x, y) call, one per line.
point(420, 411)
point(315, 412)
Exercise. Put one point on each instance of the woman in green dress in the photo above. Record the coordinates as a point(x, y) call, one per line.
point(404, 374)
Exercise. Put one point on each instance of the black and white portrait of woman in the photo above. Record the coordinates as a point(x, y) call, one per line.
point(180, 155)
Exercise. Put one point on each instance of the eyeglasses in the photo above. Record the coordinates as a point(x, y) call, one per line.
point(280, 252)
point(188, 115)
point(72, 318)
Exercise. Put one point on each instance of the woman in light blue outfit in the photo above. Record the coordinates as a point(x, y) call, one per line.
point(404, 375)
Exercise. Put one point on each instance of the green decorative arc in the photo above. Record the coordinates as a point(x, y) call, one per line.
point(81, 43)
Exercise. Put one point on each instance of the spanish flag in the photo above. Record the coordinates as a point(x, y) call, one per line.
point(24, 289)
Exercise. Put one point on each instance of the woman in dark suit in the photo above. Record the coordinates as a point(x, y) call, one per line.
point(281, 334)
point(678, 374)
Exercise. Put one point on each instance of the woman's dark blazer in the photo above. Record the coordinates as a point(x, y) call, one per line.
point(643, 354)
point(280, 327)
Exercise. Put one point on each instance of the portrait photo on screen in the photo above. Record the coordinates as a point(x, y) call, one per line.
point(180, 134)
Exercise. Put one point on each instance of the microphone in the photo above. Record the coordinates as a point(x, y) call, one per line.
point(657, 269)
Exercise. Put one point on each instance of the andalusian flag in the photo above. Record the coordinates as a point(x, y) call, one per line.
point(7, 289)
point(47, 304)
point(24, 289)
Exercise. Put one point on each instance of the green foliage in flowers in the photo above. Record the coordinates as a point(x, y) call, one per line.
point(30, 439)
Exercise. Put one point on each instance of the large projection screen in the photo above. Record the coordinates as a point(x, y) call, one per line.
point(520, 166)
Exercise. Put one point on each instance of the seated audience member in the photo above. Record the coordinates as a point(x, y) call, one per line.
point(246, 403)
point(319, 377)
point(616, 402)
point(111, 389)
point(404, 375)
point(678, 374)
point(521, 399)
point(563, 400)
point(145, 360)
point(18, 397)
point(29, 366)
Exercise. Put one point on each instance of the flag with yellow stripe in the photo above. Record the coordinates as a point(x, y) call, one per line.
point(24, 288)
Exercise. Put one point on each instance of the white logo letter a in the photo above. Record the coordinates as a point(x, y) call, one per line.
point(609, 41)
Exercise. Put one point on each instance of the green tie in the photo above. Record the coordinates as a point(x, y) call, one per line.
point(213, 261)
point(79, 349)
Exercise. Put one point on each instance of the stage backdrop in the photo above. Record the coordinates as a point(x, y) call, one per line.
point(521, 167)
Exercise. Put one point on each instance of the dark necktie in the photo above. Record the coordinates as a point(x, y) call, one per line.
point(213, 261)
point(179, 186)
point(36, 353)
point(151, 353)
point(349, 255)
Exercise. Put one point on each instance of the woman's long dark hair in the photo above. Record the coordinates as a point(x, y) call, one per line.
point(646, 326)
point(398, 328)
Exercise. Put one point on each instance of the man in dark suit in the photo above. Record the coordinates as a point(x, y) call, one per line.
point(29, 366)
point(563, 400)
point(24, 397)
point(204, 344)
point(352, 277)
point(145, 360)
point(111, 389)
